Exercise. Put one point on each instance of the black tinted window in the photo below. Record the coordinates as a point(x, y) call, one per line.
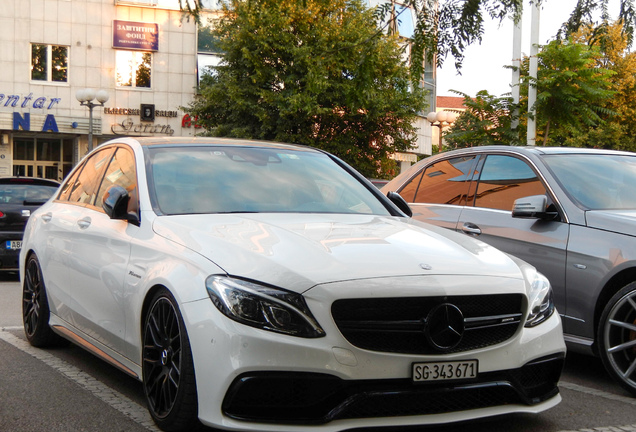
point(503, 180)
point(444, 182)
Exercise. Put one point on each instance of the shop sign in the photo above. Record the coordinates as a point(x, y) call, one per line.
point(187, 122)
point(24, 123)
point(135, 35)
point(137, 112)
point(128, 127)
point(46, 123)
point(14, 101)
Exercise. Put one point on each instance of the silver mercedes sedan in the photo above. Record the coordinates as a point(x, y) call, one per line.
point(256, 286)
point(570, 212)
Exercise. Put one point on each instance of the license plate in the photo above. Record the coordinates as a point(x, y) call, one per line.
point(442, 371)
point(14, 244)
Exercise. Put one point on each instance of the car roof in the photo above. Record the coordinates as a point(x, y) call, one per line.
point(29, 180)
point(537, 150)
point(178, 141)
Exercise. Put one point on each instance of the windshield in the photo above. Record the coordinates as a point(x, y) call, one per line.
point(597, 181)
point(224, 179)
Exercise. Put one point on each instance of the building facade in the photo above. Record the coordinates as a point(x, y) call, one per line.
point(142, 53)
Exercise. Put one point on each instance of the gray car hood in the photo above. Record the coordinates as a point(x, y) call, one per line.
point(619, 221)
point(299, 251)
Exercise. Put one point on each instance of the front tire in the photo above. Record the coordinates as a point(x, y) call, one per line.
point(617, 337)
point(168, 369)
point(35, 308)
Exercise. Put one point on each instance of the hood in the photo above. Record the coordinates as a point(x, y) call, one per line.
point(299, 251)
point(618, 221)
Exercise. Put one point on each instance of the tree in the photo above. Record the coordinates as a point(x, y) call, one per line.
point(486, 121)
point(571, 90)
point(614, 54)
point(317, 73)
point(447, 27)
point(573, 96)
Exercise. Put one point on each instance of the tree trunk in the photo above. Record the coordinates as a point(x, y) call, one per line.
point(547, 131)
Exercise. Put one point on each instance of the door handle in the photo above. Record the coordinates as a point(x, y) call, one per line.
point(84, 223)
point(471, 229)
point(46, 217)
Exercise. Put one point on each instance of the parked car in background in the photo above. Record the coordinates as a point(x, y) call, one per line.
point(264, 287)
point(379, 183)
point(19, 196)
point(570, 212)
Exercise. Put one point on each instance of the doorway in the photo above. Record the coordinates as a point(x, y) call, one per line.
point(49, 158)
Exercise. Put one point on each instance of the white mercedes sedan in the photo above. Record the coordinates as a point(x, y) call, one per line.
point(257, 286)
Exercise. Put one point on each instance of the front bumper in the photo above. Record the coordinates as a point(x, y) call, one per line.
point(255, 380)
point(306, 398)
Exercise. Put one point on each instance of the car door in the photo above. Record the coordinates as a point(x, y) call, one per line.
point(100, 255)
point(500, 179)
point(437, 193)
point(58, 227)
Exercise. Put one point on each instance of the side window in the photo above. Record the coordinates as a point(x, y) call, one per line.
point(121, 172)
point(409, 189)
point(503, 180)
point(444, 182)
point(65, 191)
point(84, 188)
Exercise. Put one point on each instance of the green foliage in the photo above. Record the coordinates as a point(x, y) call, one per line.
point(610, 135)
point(582, 16)
point(615, 56)
point(447, 27)
point(487, 120)
point(574, 97)
point(571, 90)
point(318, 73)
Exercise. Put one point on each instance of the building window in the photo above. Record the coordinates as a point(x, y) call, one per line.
point(134, 69)
point(49, 63)
point(209, 54)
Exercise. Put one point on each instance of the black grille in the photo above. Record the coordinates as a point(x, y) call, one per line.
point(397, 324)
point(309, 398)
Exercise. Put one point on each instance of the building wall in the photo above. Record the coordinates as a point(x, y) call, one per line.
point(45, 111)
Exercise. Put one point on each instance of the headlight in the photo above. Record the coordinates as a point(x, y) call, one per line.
point(541, 301)
point(263, 307)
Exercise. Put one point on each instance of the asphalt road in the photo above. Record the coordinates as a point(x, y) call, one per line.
point(68, 390)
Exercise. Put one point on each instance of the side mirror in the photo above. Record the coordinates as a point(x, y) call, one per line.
point(115, 204)
point(534, 206)
point(400, 203)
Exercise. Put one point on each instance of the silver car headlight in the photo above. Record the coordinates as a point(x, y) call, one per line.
point(263, 306)
point(541, 301)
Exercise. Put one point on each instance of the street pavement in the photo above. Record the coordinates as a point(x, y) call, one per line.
point(68, 390)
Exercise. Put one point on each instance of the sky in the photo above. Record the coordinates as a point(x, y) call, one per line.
point(483, 67)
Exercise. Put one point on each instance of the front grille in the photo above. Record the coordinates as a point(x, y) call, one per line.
point(310, 398)
point(398, 324)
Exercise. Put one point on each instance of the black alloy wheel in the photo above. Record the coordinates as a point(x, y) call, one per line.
point(35, 307)
point(168, 369)
point(617, 337)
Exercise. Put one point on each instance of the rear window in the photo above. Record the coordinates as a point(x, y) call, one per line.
point(19, 193)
